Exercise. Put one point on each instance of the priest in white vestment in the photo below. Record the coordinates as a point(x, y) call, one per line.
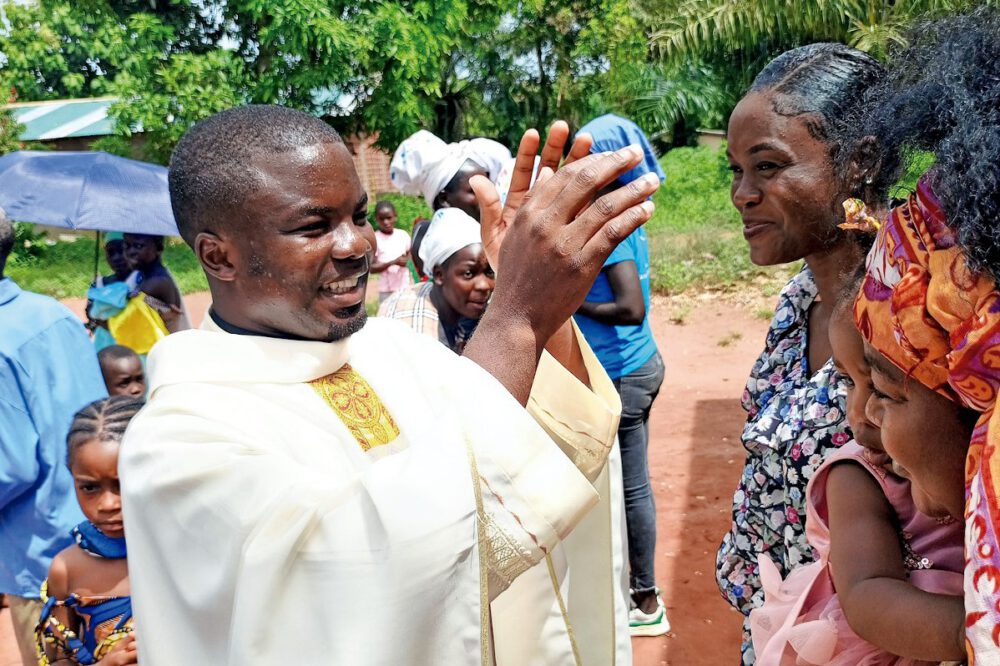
point(304, 487)
point(572, 607)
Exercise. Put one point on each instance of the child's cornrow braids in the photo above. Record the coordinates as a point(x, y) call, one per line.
point(104, 419)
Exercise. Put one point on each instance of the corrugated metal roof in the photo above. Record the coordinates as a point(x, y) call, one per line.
point(65, 118)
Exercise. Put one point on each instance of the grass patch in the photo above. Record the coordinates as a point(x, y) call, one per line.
point(408, 209)
point(730, 339)
point(696, 235)
point(679, 314)
point(66, 269)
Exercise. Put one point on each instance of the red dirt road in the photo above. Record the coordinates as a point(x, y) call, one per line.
point(696, 460)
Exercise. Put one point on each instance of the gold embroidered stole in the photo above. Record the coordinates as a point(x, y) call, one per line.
point(358, 406)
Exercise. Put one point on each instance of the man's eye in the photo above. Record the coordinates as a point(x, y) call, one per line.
point(735, 169)
point(313, 228)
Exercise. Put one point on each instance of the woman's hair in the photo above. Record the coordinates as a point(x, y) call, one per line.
point(943, 97)
point(826, 84)
point(104, 420)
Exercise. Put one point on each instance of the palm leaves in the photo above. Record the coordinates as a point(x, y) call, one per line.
point(684, 27)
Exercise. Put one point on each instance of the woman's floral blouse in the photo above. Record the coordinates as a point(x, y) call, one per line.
point(795, 422)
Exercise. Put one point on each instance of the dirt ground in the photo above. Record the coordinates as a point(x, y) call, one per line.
point(708, 343)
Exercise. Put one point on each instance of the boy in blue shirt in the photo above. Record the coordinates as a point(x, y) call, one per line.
point(615, 321)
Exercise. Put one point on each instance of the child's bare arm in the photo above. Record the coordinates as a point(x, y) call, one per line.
point(59, 588)
point(866, 561)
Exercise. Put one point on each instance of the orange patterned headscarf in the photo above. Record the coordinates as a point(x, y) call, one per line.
point(939, 322)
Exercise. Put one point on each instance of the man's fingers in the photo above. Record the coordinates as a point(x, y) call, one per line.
point(607, 211)
point(490, 208)
point(486, 192)
point(581, 147)
point(574, 186)
point(617, 229)
point(552, 151)
point(524, 164)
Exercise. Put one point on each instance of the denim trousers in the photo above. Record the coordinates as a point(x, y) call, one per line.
point(638, 390)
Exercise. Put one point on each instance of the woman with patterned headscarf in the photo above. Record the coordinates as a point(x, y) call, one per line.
point(929, 307)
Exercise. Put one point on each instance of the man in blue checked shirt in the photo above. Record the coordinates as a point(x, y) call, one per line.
point(48, 370)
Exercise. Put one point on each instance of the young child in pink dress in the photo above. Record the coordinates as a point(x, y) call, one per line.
point(392, 252)
point(887, 584)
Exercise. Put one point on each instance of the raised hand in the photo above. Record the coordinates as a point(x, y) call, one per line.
point(496, 218)
point(550, 254)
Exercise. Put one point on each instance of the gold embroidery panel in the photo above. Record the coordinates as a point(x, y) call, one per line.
point(358, 407)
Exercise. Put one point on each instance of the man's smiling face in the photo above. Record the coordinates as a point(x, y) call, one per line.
point(302, 251)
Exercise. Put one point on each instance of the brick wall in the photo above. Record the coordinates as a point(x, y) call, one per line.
point(371, 162)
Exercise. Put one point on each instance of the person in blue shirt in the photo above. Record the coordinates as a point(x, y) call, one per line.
point(48, 371)
point(615, 321)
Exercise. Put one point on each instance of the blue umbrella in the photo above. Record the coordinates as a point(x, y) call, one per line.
point(86, 190)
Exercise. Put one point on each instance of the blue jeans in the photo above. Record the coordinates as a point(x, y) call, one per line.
point(638, 390)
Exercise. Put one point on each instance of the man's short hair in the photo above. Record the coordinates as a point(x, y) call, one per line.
point(210, 173)
point(6, 239)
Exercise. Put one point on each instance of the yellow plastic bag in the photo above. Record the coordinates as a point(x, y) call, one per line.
point(138, 326)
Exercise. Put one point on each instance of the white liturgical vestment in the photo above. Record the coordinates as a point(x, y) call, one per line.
point(357, 502)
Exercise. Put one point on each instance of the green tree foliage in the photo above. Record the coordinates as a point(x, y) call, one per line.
point(686, 27)
point(389, 67)
point(10, 130)
point(459, 67)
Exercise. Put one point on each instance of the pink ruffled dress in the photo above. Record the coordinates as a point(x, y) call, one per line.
point(802, 623)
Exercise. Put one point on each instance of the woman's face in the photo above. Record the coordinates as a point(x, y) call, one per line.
point(466, 281)
point(784, 184)
point(925, 434)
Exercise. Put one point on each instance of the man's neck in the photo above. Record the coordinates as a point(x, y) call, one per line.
point(239, 330)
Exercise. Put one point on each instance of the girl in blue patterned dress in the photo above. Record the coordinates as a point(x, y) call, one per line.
point(87, 617)
point(794, 161)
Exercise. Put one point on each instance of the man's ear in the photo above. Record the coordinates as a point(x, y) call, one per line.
point(863, 170)
point(216, 255)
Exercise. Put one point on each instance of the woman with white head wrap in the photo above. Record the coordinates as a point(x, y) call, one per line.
point(450, 305)
point(427, 166)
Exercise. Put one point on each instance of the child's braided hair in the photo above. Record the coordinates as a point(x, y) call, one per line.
point(104, 420)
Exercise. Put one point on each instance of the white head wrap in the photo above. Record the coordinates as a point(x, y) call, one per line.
point(450, 231)
point(424, 164)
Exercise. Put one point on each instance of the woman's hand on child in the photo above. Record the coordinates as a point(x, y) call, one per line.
point(123, 653)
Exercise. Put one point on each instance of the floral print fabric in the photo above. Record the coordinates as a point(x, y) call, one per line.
point(796, 419)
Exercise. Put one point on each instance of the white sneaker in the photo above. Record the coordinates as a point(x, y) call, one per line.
point(649, 624)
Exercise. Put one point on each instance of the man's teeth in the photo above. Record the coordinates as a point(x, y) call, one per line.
point(342, 286)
